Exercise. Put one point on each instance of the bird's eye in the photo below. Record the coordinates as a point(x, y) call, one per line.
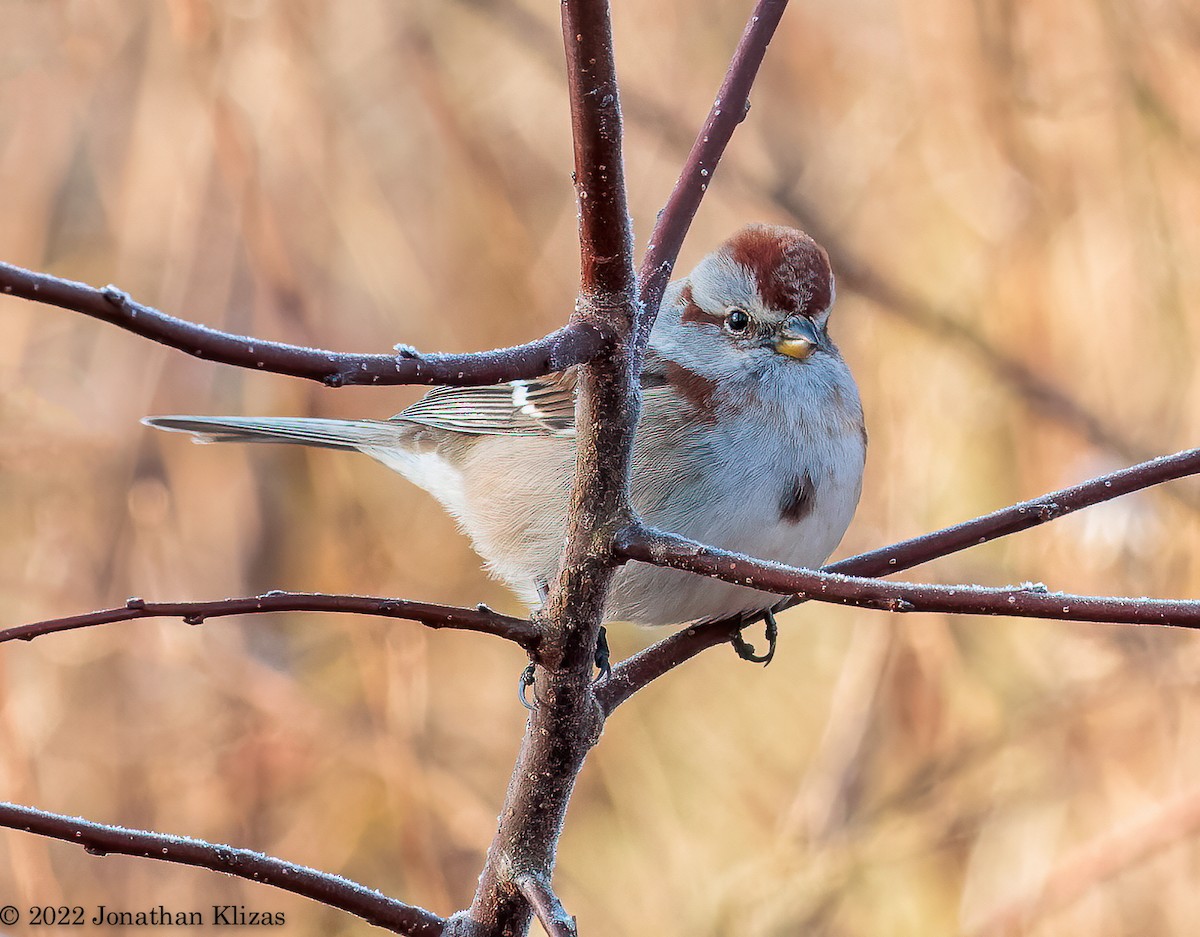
point(737, 320)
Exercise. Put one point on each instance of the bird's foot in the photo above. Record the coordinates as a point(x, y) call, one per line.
point(745, 650)
point(602, 660)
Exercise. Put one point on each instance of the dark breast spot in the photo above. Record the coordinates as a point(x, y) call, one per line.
point(798, 499)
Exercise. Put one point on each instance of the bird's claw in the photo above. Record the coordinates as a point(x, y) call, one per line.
point(745, 650)
point(523, 684)
point(603, 659)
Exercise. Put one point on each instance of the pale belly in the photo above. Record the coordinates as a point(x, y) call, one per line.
point(512, 501)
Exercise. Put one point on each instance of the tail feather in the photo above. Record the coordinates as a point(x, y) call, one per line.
point(331, 434)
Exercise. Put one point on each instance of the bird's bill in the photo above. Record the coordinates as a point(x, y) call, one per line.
point(797, 338)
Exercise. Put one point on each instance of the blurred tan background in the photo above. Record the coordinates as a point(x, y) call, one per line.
point(997, 178)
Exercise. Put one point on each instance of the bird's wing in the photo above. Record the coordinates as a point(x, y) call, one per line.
point(542, 407)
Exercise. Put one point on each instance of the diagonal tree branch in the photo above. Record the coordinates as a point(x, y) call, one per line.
point(730, 109)
point(333, 890)
point(574, 344)
point(549, 910)
point(642, 668)
point(909, 553)
point(481, 619)
point(1029, 601)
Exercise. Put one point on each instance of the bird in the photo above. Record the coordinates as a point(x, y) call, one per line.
point(751, 438)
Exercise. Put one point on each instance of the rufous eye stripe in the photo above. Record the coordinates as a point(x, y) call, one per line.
point(692, 312)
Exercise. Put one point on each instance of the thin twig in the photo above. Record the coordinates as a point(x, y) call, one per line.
point(481, 619)
point(909, 553)
point(642, 668)
point(730, 109)
point(574, 344)
point(1028, 601)
point(549, 910)
point(332, 890)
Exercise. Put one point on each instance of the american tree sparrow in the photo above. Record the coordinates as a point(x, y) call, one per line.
point(751, 437)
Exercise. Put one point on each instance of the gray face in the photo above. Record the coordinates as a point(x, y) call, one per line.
point(764, 295)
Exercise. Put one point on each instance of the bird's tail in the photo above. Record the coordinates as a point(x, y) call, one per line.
point(330, 434)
